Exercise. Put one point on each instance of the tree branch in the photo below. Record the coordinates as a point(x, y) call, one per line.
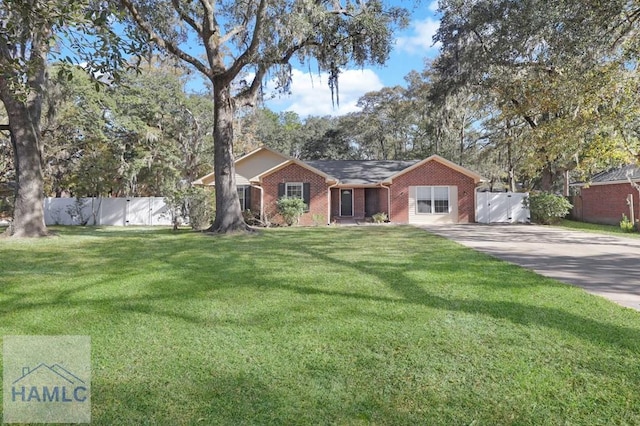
point(185, 17)
point(630, 19)
point(248, 54)
point(527, 118)
point(211, 38)
point(162, 42)
point(248, 96)
point(208, 14)
point(234, 31)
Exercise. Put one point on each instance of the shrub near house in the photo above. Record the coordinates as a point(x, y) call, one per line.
point(291, 208)
point(547, 208)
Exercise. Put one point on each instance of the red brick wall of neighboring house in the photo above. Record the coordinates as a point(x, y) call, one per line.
point(295, 173)
point(606, 203)
point(432, 173)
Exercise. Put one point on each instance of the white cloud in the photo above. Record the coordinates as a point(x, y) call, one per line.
point(433, 6)
point(420, 38)
point(310, 93)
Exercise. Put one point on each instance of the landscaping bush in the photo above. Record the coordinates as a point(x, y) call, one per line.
point(197, 205)
point(291, 208)
point(201, 208)
point(380, 217)
point(626, 225)
point(318, 219)
point(547, 208)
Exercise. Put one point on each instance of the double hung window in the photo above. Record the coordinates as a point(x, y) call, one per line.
point(432, 200)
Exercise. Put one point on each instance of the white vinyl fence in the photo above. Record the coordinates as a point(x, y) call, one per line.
point(501, 207)
point(106, 211)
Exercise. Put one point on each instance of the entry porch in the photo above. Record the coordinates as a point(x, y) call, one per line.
point(358, 203)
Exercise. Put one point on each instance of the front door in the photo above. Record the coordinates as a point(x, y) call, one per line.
point(346, 202)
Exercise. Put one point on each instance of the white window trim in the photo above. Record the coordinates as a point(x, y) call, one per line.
point(433, 201)
point(291, 184)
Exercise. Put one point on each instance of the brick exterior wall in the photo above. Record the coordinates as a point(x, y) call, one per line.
point(335, 203)
point(432, 173)
point(255, 200)
point(606, 203)
point(383, 201)
point(358, 203)
point(296, 173)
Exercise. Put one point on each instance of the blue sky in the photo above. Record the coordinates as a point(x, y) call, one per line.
point(310, 94)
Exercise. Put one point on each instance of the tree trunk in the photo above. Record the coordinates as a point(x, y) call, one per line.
point(28, 214)
point(547, 179)
point(23, 103)
point(510, 166)
point(228, 215)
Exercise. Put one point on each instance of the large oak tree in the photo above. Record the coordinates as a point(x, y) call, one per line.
point(254, 40)
point(29, 30)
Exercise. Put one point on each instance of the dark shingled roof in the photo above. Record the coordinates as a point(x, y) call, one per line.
point(360, 172)
point(619, 174)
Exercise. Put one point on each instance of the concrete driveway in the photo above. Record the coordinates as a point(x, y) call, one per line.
point(601, 264)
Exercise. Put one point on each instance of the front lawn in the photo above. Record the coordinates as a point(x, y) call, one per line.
point(357, 325)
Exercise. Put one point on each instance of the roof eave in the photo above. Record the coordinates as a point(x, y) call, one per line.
point(611, 182)
point(206, 180)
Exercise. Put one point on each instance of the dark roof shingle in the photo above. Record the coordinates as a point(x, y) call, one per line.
point(360, 172)
point(619, 174)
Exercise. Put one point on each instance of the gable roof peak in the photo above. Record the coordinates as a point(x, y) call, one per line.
point(435, 157)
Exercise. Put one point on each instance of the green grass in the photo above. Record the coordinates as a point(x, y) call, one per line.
point(358, 325)
point(597, 228)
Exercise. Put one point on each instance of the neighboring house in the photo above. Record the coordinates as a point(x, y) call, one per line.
point(433, 190)
point(604, 198)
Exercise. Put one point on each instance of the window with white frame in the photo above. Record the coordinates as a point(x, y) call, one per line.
point(294, 190)
point(432, 199)
point(424, 200)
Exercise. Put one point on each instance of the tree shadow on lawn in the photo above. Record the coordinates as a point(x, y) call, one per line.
point(232, 399)
point(215, 264)
point(412, 292)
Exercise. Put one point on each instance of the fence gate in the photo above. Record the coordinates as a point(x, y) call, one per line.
point(501, 207)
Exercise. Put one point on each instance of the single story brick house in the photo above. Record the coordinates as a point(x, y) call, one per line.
point(607, 196)
point(433, 190)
